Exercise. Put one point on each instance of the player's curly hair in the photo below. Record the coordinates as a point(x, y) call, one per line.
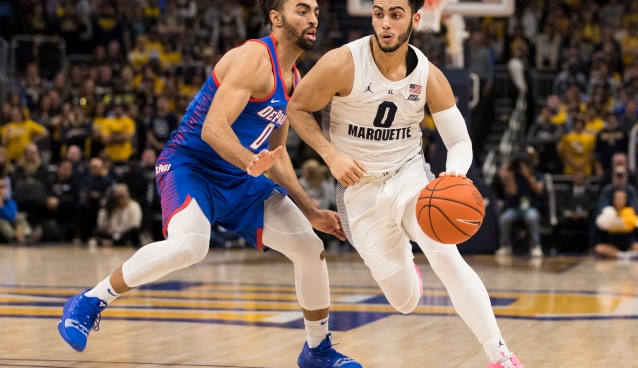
point(264, 7)
point(415, 5)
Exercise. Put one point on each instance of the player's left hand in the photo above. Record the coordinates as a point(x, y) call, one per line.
point(452, 173)
point(263, 161)
point(328, 222)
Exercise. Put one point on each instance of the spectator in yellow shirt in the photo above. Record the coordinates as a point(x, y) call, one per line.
point(19, 132)
point(559, 113)
point(117, 134)
point(576, 148)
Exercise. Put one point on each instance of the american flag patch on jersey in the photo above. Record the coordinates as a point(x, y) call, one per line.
point(415, 88)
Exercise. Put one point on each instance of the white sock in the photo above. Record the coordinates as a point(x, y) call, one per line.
point(316, 331)
point(497, 350)
point(104, 291)
point(627, 254)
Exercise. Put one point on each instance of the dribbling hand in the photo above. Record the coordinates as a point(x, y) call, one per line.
point(452, 173)
point(263, 161)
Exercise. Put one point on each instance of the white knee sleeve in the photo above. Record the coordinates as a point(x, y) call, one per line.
point(187, 243)
point(403, 289)
point(287, 231)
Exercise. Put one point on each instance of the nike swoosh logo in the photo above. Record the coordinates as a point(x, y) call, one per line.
point(109, 291)
point(77, 325)
point(470, 222)
point(324, 322)
point(275, 101)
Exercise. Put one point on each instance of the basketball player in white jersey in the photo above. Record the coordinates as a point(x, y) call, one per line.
point(375, 90)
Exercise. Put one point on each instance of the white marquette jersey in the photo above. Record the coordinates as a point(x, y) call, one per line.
point(378, 122)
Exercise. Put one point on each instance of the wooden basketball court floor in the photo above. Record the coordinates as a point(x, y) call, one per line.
point(237, 308)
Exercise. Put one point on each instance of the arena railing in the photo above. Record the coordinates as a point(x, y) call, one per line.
point(512, 138)
point(48, 51)
point(5, 83)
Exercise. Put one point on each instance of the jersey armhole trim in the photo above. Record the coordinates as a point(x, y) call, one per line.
point(274, 73)
point(215, 80)
point(281, 74)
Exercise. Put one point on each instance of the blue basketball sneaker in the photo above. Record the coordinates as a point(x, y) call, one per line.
point(79, 316)
point(324, 356)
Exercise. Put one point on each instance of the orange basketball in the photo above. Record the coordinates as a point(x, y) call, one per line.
point(450, 209)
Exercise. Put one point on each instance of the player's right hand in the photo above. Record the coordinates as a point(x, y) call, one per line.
point(347, 170)
point(263, 161)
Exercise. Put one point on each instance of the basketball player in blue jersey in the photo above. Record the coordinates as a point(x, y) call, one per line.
point(377, 88)
point(211, 171)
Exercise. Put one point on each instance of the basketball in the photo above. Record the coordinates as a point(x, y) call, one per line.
point(450, 209)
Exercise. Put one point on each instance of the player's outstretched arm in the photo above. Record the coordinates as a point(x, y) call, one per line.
point(243, 72)
point(333, 75)
point(283, 173)
point(449, 123)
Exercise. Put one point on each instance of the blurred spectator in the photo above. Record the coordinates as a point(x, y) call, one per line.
point(618, 160)
point(6, 171)
point(576, 148)
point(33, 86)
point(609, 141)
point(115, 56)
point(80, 166)
point(316, 182)
point(149, 198)
point(18, 133)
point(227, 24)
point(36, 20)
point(593, 122)
point(629, 117)
point(120, 218)
point(543, 135)
point(32, 184)
point(569, 75)
point(92, 189)
point(99, 122)
point(139, 56)
point(31, 166)
point(62, 202)
point(575, 205)
point(629, 44)
point(548, 44)
point(482, 64)
point(117, 134)
point(617, 224)
point(160, 126)
point(517, 67)
point(76, 129)
point(612, 12)
point(70, 26)
point(557, 110)
point(108, 25)
point(13, 227)
point(619, 181)
point(523, 195)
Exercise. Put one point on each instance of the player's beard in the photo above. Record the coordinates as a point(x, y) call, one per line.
point(302, 43)
point(403, 38)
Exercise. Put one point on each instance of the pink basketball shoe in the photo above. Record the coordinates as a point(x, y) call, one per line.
point(511, 362)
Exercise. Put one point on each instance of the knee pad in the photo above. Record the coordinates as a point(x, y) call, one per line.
point(307, 247)
point(403, 289)
point(189, 235)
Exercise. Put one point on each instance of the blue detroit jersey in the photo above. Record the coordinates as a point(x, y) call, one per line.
point(253, 127)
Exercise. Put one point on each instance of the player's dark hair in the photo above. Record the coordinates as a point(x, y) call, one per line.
point(264, 7)
point(415, 5)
